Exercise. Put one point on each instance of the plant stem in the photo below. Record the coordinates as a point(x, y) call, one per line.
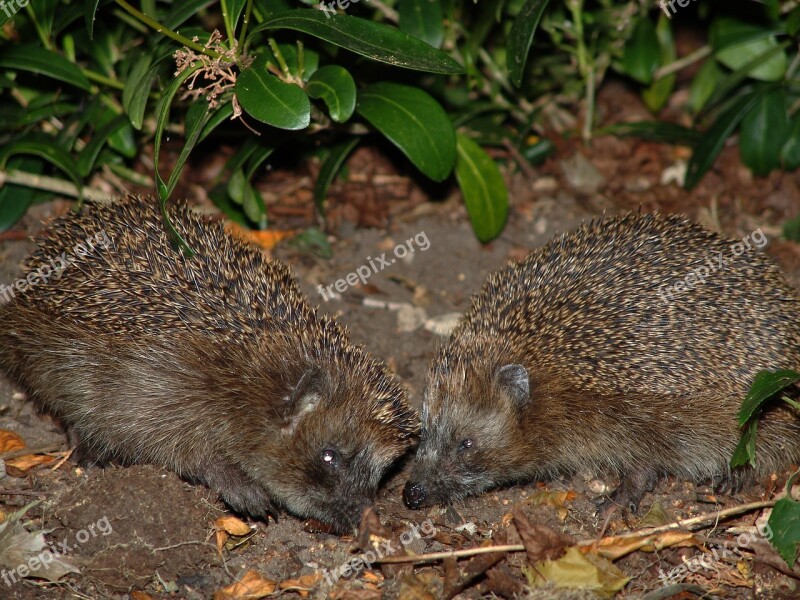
point(682, 63)
point(152, 23)
point(99, 78)
point(51, 184)
point(245, 22)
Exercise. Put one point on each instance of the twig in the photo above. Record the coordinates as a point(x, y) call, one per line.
point(29, 451)
point(51, 184)
point(434, 556)
point(685, 523)
point(682, 63)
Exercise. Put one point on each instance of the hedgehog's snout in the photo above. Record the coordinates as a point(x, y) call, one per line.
point(414, 494)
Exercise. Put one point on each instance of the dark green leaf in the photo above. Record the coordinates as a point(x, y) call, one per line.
point(737, 43)
point(253, 206)
point(521, 37)
point(222, 113)
point(15, 199)
point(704, 84)
point(763, 133)
point(36, 59)
point(376, 41)
point(88, 155)
point(312, 241)
point(422, 19)
point(745, 452)
point(791, 229)
point(44, 12)
point(236, 185)
point(728, 86)
point(790, 153)
point(655, 131)
point(89, 14)
point(270, 100)
point(414, 122)
point(161, 124)
point(220, 197)
point(334, 85)
point(727, 31)
point(641, 56)
point(657, 95)
point(764, 387)
point(329, 170)
point(137, 89)
point(43, 148)
point(182, 11)
point(483, 188)
point(231, 11)
point(262, 152)
point(784, 526)
point(710, 145)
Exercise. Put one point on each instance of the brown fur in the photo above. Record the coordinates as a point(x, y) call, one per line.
point(214, 366)
point(601, 372)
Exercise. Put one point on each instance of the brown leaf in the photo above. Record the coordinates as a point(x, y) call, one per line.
point(10, 440)
point(251, 586)
point(420, 586)
point(617, 546)
point(541, 542)
point(502, 583)
point(577, 570)
point(356, 595)
point(232, 525)
point(18, 467)
point(302, 585)
point(140, 596)
point(370, 528)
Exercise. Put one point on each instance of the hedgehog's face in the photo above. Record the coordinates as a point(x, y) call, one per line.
point(470, 428)
point(335, 451)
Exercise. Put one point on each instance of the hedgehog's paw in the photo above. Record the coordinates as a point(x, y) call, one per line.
point(731, 483)
point(632, 487)
point(239, 491)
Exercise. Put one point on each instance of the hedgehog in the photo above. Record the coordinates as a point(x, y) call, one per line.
point(625, 347)
point(214, 366)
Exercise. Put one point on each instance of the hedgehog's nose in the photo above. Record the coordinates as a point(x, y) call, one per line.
point(414, 494)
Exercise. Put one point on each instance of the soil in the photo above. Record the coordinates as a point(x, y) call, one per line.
point(142, 530)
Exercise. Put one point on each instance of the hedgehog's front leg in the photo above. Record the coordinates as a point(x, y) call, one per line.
point(633, 485)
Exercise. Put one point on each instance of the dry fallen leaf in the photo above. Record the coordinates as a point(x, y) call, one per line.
point(356, 595)
point(10, 440)
point(227, 526)
point(420, 586)
point(251, 586)
point(301, 585)
point(267, 238)
point(17, 467)
point(576, 570)
point(140, 596)
point(540, 541)
point(25, 553)
point(617, 547)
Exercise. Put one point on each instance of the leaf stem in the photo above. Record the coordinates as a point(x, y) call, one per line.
point(152, 23)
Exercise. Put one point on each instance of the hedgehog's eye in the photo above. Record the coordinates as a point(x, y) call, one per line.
point(466, 445)
point(330, 457)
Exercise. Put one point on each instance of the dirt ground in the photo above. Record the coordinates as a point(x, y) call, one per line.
point(142, 530)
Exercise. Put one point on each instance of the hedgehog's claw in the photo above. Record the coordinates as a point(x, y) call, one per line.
point(632, 487)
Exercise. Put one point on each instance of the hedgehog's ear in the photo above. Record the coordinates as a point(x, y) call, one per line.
point(305, 397)
point(513, 380)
